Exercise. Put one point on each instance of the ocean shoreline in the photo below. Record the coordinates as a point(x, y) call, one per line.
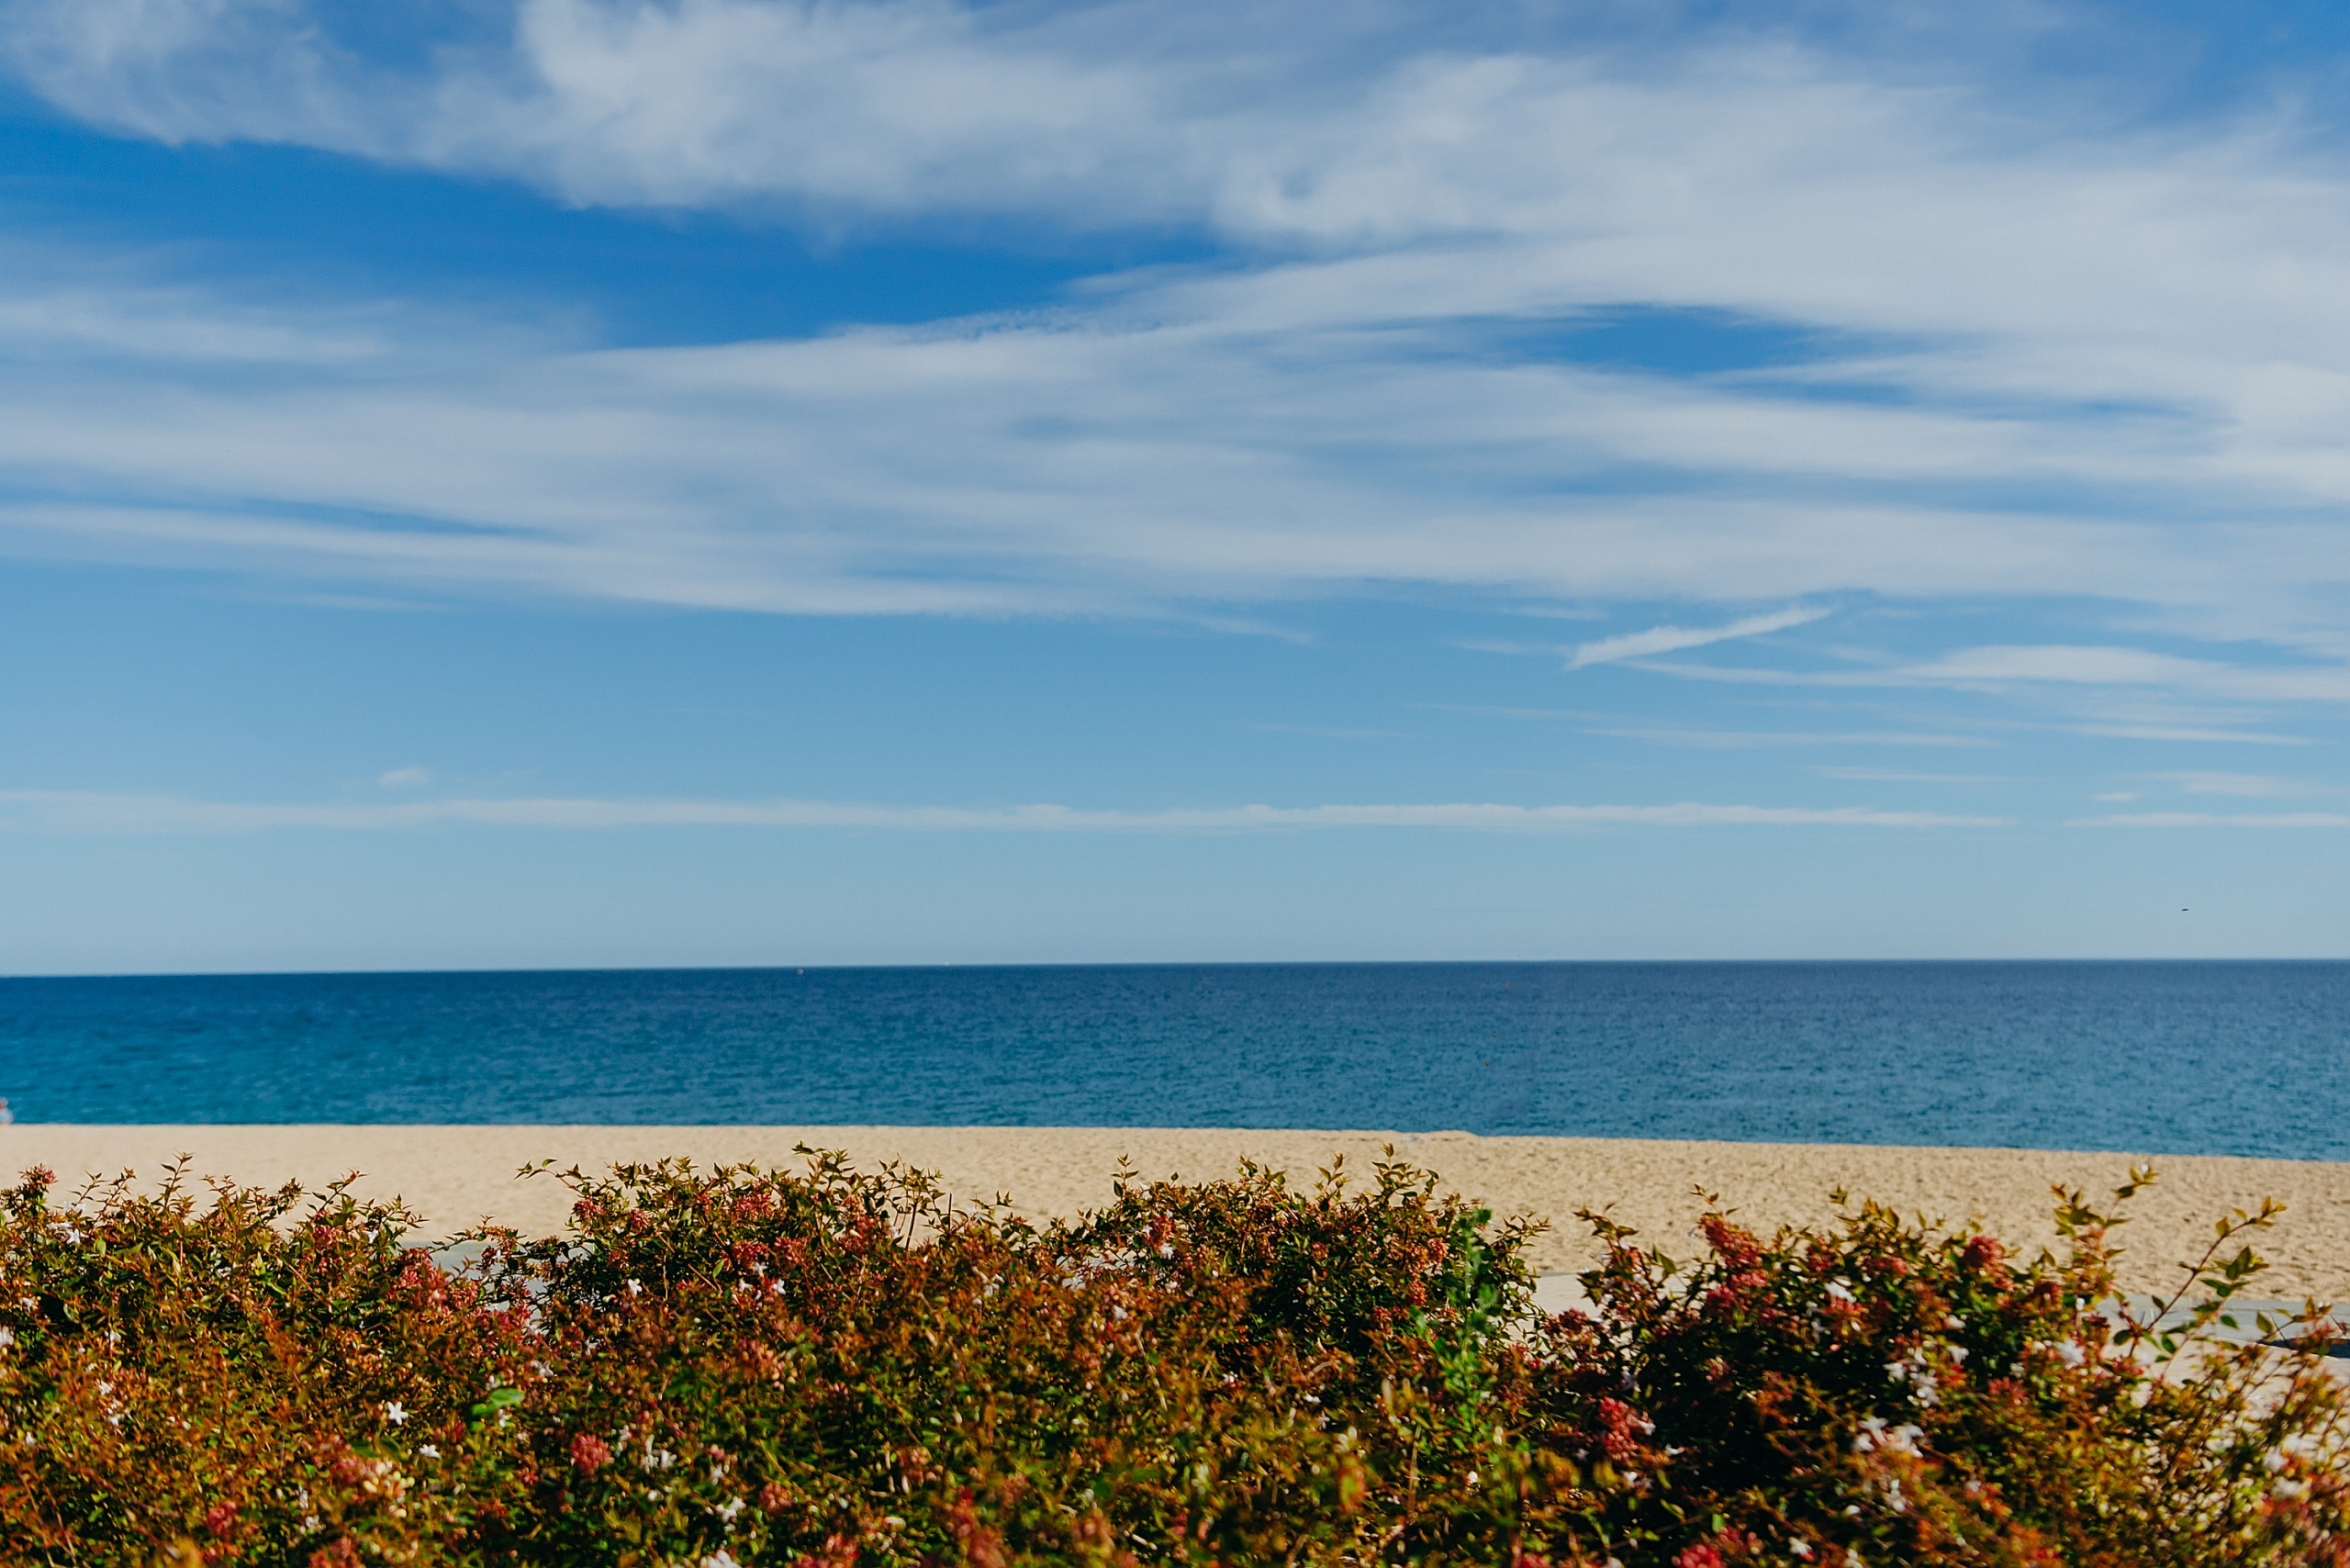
point(455, 1175)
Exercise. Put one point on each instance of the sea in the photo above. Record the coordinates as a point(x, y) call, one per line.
point(2158, 1057)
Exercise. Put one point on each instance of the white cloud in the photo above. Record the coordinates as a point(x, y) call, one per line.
point(59, 810)
point(2148, 334)
point(405, 779)
point(1743, 740)
point(2135, 667)
point(2200, 819)
point(1671, 639)
point(2258, 785)
point(2065, 665)
point(1893, 775)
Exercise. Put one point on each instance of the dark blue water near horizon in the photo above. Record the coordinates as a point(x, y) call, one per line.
point(2160, 1057)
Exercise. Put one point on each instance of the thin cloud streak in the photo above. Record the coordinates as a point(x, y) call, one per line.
point(1672, 639)
point(1346, 406)
point(71, 812)
point(2207, 819)
point(2060, 665)
point(1741, 740)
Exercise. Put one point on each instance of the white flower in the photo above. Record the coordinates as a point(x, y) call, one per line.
point(2289, 1490)
point(635, 1287)
point(1875, 1434)
point(1958, 1355)
point(1166, 1249)
point(2070, 1352)
point(7, 1337)
point(1799, 1549)
point(395, 1413)
point(1837, 1292)
point(728, 1509)
point(428, 1450)
point(1896, 1371)
point(720, 1558)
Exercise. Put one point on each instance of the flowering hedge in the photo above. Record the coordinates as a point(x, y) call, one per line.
point(742, 1367)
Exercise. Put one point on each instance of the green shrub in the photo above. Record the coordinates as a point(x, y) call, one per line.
point(743, 1367)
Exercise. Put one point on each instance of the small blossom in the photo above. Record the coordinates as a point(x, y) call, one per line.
point(636, 1287)
point(428, 1450)
point(395, 1413)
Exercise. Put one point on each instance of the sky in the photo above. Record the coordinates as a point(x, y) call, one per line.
point(553, 483)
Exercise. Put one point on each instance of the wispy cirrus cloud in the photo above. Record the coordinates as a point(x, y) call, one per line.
point(1672, 639)
point(1748, 740)
point(70, 812)
point(2071, 665)
point(2262, 786)
point(2210, 819)
point(1374, 383)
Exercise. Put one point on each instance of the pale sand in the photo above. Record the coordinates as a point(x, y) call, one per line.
point(456, 1175)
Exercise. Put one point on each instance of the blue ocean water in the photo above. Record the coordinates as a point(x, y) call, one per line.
point(2159, 1057)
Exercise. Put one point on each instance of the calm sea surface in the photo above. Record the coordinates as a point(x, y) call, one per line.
point(2164, 1057)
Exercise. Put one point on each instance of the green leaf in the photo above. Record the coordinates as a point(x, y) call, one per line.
point(499, 1399)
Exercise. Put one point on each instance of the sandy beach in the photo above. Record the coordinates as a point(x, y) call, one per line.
point(456, 1175)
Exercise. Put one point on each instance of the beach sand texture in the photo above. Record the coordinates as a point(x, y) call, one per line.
point(456, 1175)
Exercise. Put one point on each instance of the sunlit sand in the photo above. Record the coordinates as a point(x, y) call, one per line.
point(456, 1175)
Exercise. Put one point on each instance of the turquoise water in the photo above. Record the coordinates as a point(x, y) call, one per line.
point(2160, 1057)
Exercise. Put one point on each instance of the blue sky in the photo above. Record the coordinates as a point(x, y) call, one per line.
point(586, 482)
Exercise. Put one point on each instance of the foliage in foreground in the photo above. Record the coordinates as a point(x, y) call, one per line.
point(743, 1367)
